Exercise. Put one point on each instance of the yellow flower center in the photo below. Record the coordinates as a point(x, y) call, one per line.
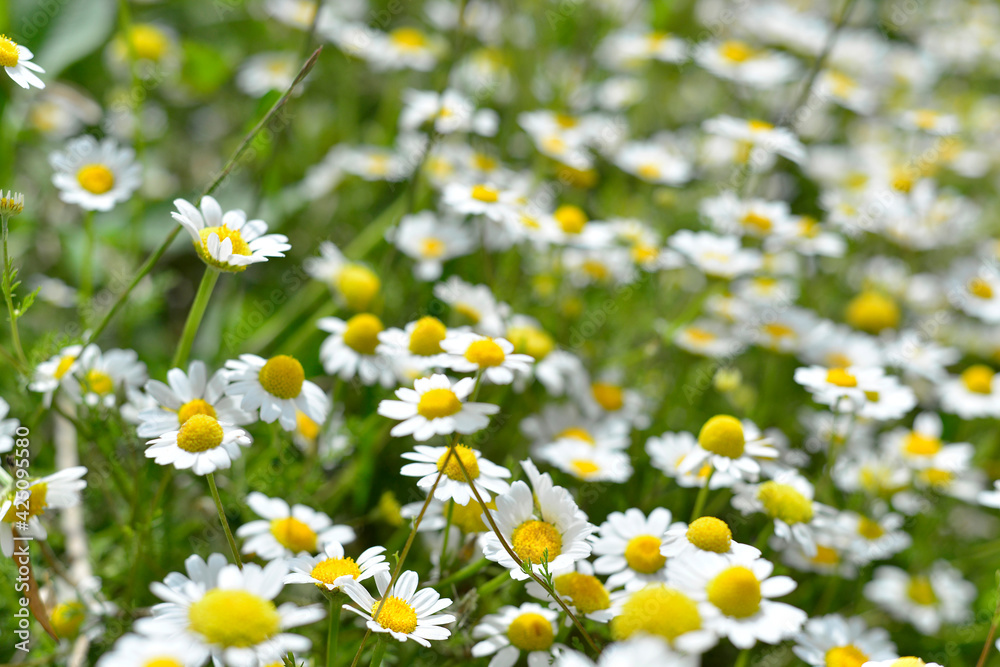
point(571, 218)
point(437, 403)
point(649, 171)
point(783, 501)
point(980, 288)
point(358, 285)
point(577, 433)
point(609, 396)
point(240, 247)
point(870, 530)
point(759, 125)
point(162, 662)
point(306, 427)
point(909, 661)
point(585, 591)
point(978, 379)
point(36, 504)
point(485, 193)
point(361, 334)
point(735, 591)
point(699, 335)
point(841, 378)
point(532, 341)
point(872, 312)
point(199, 433)
point(9, 56)
point(736, 51)
point(825, 556)
point(485, 353)
point(330, 569)
point(282, 376)
point(565, 121)
point(845, 656)
point(918, 444)
point(723, 435)
point(936, 477)
point(99, 382)
point(148, 42)
point(656, 610)
point(431, 248)
point(762, 224)
point(468, 311)
point(67, 618)
point(920, 591)
point(710, 534)
point(234, 618)
point(584, 468)
point(469, 518)
point(64, 365)
point(294, 535)
point(198, 406)
point(95, 178)
point(536, 541)
point(642, 554)
point(531, 632)
point(426, 337)
point(453, 470)
point(408, 39)
point(396, 615)
point(484, 162)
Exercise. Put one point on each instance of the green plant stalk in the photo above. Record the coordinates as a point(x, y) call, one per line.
point(494, 584)
point(447, 532)
point(195, 316)
point(699, 503)
point(379, 652)
point(15, 336)
point(464, 573)
point(87, 264)
point(222, 517)
point(333, 631)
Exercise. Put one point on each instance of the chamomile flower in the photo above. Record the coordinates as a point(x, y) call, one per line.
point(351, 350)
point(355, 284)
point(187, 394)
point(8, 428)
point(263, 72)
point(95, 176)
point(921, 447)
point(905, 661)
point(729, 446)
point(97, 376)
point(405, 48)
point(430, 242)
point(654, 161)
point(974, 393)
point(429, 461)
point(285, 531)
point(230, 612)
point(840, 388)
point(331, 568)
point(750, 217)
point(417, 346)
point(758, 136)
point(641, 650)
point(201, 444)
point(742, 63)
point(228, 241)
point(717, 256)
point(628, 547)
point(493, 357)
point(505, 634)
point(499, 204)
point(21, 509)
point(436, 406)
point(16, 61)
point(406, 613)
point(545, 529)
point(836, 640)
point(451, 111)
point(878, 538)
point(133, 650)
point(582, 592)
point(278, 388)
point(704, 534)
point(664, 612)
point(928, 600)
point(475, 304)
point(586, 462)
point(788, 500)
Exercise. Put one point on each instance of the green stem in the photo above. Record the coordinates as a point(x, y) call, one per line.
point(86, 267)
point(699, 503)
point(194, 316)
point(464, 573)
point(333, 633)
point(494, 584)
point(743, 659)
point(379, 653)
point(15, 336)
point(447, 532)
point(222, 517)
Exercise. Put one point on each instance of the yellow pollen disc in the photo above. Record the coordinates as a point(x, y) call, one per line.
point(920, 591)
point(453, 470)
point(36, 504)
point(825, 556)
point(735, 591)
point(759, 125)
point(9, 56)
point(437, 403)
point(282, 376)
point(699, 335)
point(566, 121)
point(584, 468)
point(723, 435)
point(577, 433)
point(396, 615)
point(148, 42)
point(95, 178)
point(980, 288)
point(532, 341)
point(306, 427)
point(757, 222)
point(234, 618)
point(64, 365)
point(908, 661)
point(293, 534)
point(431, 248)
point(585, 591)
point(872, 396)
point(936, 477)
point(571, 218)
point(783, 501)
point(736, 51)
point(99, 382)
point(408, 39)
point(67, 618)
point(609, 396)
point(240, 247)
point(777, 330)
point(870, 530)
point(162, 662)
point(531, 632)
point(917, 444)
point(199, 433)
point(596, 269)
point(358, 285)
point(468, 311)
point(643, 254)
point(485, 193)
point(485, 353)
point(872, 312)
point(649, 171)
point(845, 656)
point(533, 539)
point(841, 378)
point(426, 337)
point(553, 144)
point(978, 379)
point(484, 162)
point(361, 334)
point(642, 554)
point(198, 406)
point(656, 610)
point(469, 518)
point(330, 569)
point(710, 534)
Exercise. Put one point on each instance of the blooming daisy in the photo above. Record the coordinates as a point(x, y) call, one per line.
point(16, 61)
point(628, 547)
point(430, 241)
point(201, 444)
point(475, 303)
point(436, 406)
point(974, 393)
point(497, 203)
point(717, 256)
point(742, 63)
point(54, 372)
point(705, 534)
point(664, 612)
point(98, 376)
point(558, 423)
point(921, 447)
point(187, 394)
point(285, 531)
point(667, 453)
point(926, 600)
point(493, 357)
point(133, 650)
point(586, 462)
point(8, 428)
point(351, 350)
point(228, 611)
point(418, 345)
point(430, 461)
point(846, 642)
point(654, 161)
point(277, 386)
point(451, 111)
point(841, 388)
point(329, 569)
point(95, 176)
point(788, 500)
point(22, 508)
point(640, 650)
point(758, 136)
point(227, 241)
point(406, 613)
point(729, 446)
point(581, 591)
point(355, 284)
point(530, 628)
point(263, 72)
point(871, 539)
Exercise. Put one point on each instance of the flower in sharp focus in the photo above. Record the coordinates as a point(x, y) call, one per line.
point(202, 445)
point(16, 61)
point(332, 567)
point(278, 388)
point(406, 612)
point(493, 357)
point(95, 175)
point(228, 241)
point(429, 461)
point(436, 406)
point(188, 394)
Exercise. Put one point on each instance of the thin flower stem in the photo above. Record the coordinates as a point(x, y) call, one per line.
point(15, 336)
point(493, 584)
point(993, 628)
point(87, 265)
point(222, 517)
point(447, 532)
point(743, 659)
point(699, 503)
point(195, 315)
point(379, 652)
point(464, 573)
point(333, 632)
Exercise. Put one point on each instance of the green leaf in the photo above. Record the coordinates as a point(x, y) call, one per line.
point(205, 68)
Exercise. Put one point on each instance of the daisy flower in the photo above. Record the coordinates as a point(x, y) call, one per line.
point(229, 612)
point(263, 72)
point(666, 613)
point(450, 112)
point(641, 650)
point(95, 176)
point(840, 388)
point(834, 639)
point(717, 256)
point(278, 388)
point(729, 446)
point(974, 393)
point(430, 242)
point(655, 162)
point(187, 394)
point(475, 303)
point(406, 613)
point(788, 500)
point(436, 406)
point(583, 592)
point(558, 423)
point(355, 284)
point(628, 547)
point(16, 61)
point(493, 357)
point(285, 531)
point(921, 447)
point(417, 345)
point(133, 650)
point(741, 63)
point(8, 428)
point(667, 453)
point(21, 509)
point(54, 372)
point(202, 445)
point(98, 376)
point(586, 462)
point(705, 534)
point(497, 203)
point(905, 661)
point(227, 241)
point(331, 568)
point(505, 634)
point(926, 600)
point(545, 529)
point(405, 48)
point(707, 338)
point(873, 538)
point(758, 135)
point(728, 214)
point(429, 461)
point(734, 595)
point(351, 350)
